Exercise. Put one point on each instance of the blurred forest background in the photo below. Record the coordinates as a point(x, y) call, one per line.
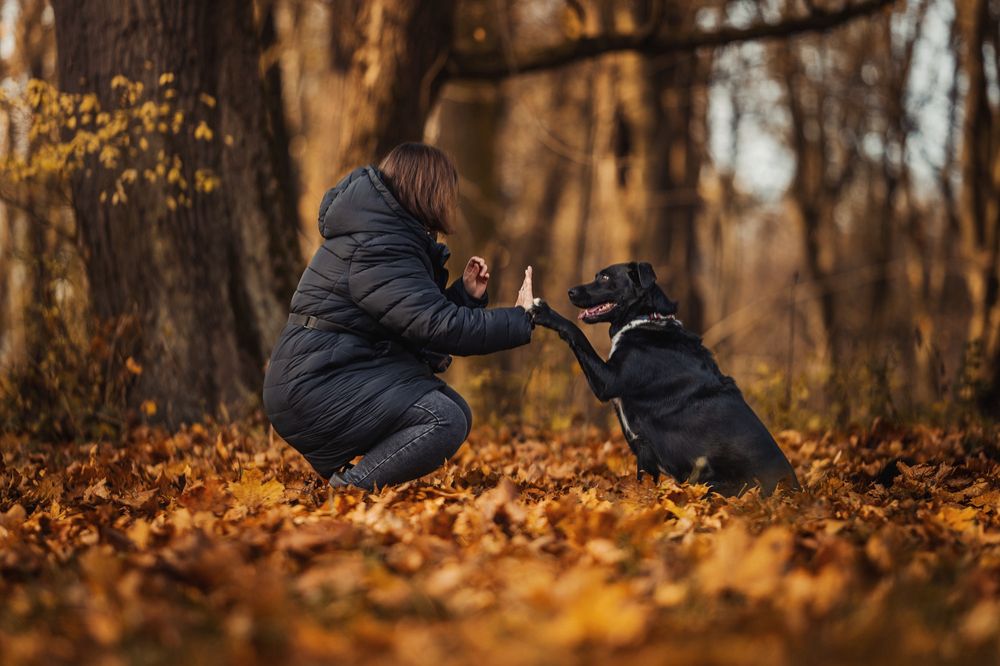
point(816, 181)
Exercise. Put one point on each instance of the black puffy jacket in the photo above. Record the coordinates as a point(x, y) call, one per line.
point(333, 395)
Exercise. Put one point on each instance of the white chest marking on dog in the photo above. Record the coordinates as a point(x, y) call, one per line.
point(641, 321)
point(635, 323)
point(629, 433)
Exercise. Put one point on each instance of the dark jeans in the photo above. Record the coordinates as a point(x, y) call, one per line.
point(427, 434)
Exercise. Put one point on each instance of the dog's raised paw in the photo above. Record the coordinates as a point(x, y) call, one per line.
point(539, 306)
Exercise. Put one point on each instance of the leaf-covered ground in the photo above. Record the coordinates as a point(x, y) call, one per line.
point(217, 545)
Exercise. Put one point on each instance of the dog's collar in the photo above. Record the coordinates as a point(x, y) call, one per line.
point(655, 319)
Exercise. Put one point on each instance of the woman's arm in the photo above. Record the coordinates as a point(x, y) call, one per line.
point(390, 282)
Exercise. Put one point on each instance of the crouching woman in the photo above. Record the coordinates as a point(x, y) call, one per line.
point(373, 319)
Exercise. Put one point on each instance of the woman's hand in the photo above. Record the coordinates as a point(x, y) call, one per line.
point(475, 277)
point(525, 298)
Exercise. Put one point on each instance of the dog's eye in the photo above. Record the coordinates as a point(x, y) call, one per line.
point(603, 278)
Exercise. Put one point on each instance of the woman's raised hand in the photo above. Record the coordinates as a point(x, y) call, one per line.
point(475, 277)
point(525, 298)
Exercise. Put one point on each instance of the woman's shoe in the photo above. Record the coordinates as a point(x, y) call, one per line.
point(337, 479)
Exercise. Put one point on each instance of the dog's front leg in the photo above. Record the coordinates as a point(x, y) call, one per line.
point(599, 374)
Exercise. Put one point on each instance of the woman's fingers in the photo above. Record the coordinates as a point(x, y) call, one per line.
point(524, 295)
point(475, 277)
point(477, 268)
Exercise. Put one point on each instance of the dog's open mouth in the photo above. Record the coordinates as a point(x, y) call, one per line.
point(596, 311)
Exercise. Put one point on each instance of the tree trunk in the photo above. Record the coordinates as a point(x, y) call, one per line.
point(207, 284)
point(375, 90)
point(392, 73)
point(472, 114)
point(677, 86)
point(813, 193)
point(26, 255)
point(980, 206)
point(278, 136)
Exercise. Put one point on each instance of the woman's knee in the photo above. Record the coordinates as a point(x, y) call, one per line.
point(451, 424)
point(455, 430)
point(460, 402)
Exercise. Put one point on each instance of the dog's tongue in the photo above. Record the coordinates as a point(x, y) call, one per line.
point(596, 310)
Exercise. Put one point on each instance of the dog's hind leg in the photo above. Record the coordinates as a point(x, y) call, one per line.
point(645, 459)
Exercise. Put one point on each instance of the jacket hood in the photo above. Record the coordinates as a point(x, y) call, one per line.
point(363, 202)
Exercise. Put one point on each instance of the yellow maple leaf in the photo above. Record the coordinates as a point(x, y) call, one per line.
point(253, 492)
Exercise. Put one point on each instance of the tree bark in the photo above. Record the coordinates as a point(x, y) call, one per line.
point(376, 89)
point(816, 187)
point(207, 284)
point(472, 114)
point(980, 201)
point(392, 76)
point(26, 253)
point(279, 138)
point(676, 88)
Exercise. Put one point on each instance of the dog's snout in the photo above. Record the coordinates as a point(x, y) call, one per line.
point(574, 293)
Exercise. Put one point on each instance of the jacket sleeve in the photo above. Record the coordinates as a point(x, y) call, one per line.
point(457, 294)
point(390, 282)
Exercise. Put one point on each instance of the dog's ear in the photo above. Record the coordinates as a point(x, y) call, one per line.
point(642, 274)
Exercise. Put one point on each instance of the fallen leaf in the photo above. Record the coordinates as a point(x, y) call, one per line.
point(253, 493)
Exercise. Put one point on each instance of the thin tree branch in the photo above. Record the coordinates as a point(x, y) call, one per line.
point(492, 66)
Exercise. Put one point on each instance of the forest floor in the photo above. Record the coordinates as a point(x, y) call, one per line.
point(218, 545)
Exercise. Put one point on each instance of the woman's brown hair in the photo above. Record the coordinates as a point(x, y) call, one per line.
point(425, 181)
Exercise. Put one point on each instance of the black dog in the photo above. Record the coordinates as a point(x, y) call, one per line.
point(680, 414)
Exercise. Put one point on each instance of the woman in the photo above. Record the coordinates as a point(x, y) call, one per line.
point(372, 320)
